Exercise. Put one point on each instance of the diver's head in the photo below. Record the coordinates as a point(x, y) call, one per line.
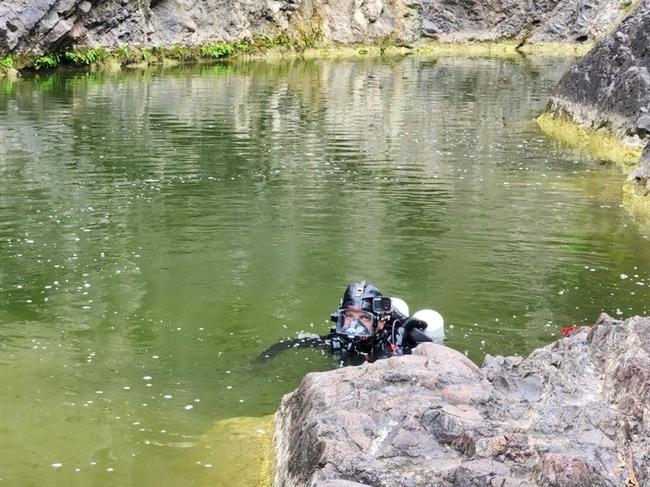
point(355, 318)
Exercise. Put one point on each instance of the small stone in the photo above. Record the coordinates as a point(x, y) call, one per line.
point(85, 6)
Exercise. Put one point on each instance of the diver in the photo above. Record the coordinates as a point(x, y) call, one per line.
point(369, 326)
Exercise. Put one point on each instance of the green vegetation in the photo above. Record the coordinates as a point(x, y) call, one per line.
point(125, 56)
point(605, 146)
point(599, 144)
point(47, 61)
point(86, 57)
point(268, 42)
point(636, 199)
point(7, 62)
point(305, 42)
point(216, 50)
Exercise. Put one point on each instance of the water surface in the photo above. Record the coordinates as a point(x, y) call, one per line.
point(158, 230)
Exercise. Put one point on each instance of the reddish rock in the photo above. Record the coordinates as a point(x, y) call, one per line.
point(574, 413)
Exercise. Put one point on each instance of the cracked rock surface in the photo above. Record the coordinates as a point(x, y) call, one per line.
point(574, 413)
point(610, 86)
point(39, 26)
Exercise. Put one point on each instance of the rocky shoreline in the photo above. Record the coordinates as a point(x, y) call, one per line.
point(41, 33)
point(574, 413)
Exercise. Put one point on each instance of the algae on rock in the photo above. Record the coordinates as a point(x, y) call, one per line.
point(599, 144)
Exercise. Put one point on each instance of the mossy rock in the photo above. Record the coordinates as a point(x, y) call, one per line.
point(636, 201)
point(599, 144)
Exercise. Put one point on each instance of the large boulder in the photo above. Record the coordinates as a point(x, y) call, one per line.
point(575, 413)
point(610, 86)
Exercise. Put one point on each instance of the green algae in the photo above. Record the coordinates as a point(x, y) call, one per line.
point(500, 49)
point(605, 146)
point(556, 49)
point(7, 69)
point(598, 144)
point(636, 200)
point(305, 44)
point(240, 451)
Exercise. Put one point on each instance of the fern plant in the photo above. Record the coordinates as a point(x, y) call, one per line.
point(86, 57)
point(48, 61)
point(216, 50)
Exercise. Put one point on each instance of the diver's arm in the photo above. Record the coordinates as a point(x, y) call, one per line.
point(277, 348)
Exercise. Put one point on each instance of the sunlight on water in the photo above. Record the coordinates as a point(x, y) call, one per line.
point(159, 230)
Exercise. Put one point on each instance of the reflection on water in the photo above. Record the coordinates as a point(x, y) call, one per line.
point(158, 230)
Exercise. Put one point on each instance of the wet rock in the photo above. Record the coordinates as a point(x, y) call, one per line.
point(639, 177)
point(573, 413)
point(610, 86)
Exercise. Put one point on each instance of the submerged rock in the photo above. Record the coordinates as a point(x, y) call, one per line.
point(574, 413)
point(38, 26)
point(237, 452)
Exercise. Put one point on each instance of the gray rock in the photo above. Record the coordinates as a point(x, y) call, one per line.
point(85, 7)
point(573, 413)
point(480, 473)
point(610, 86)
point(531, 21)
point(45, 25)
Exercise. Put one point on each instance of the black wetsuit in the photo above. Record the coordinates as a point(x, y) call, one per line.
point(398, 337)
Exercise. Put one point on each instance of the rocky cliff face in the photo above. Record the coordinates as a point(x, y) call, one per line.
point(534, 21)
point(48, 25)
point(575, 413)
point(610, 86)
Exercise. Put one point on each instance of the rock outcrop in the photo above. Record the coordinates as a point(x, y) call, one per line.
point(38, 26)
point(609, 88)
point(536, 21)
point(574, 413)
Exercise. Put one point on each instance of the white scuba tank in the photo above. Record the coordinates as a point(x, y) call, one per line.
point(435, 323)
point(434, 320)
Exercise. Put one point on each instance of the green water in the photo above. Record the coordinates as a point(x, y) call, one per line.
point(158, 230)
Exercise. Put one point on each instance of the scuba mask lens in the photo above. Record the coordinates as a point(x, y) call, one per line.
point(356, 329)
point(355, 323)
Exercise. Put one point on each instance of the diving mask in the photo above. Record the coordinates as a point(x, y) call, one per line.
point(355, 323)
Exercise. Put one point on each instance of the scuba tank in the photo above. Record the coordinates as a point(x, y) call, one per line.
point(435, 323)
point(426, 325)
